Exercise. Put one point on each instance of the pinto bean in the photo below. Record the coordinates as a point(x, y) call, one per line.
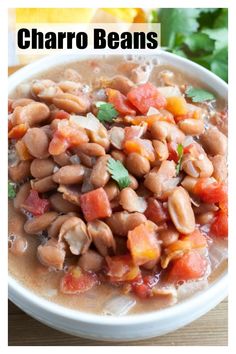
point(71, 174)
point(189, 183)
point(21, 195)
point(166, 131)
point(88, 161)
point(54, 228)
point(161, 150)
point(180, 210)
point(74, 231)
point(70, 87)
point(33, 114)
point(19, 245)
point(37, 142)
point(71, 193)
point(204, 208)
point(102, 236)
point(220, 167)
point(52, 254)
point(20, 172)
point(21, 102)
point(118, 155)
point(168, 236)
point(137, 164)
point(61, 205)
point(92, 149)
point(205, 218)
point(39, 223)
point(71, 103)
point(122, 222)
point(116, 136)
point(192, 126)
point(100, 176)
point(62, 159)
point(157, 177)
point(200, 166)
point(121, 83)
point(41, 168)
point(112, 190)
point(91, 261)
point(130, 201)
point(43, 185)
point(133, 182)
point(214, 142)
point(100, 137)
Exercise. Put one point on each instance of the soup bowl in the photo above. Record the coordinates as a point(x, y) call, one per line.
point(135, 326)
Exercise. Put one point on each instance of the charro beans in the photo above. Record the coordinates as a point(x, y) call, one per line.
point(71, 174)
point(92, 149)
point(33, 114)
point(165, 131)
point(205, 218)
point(40, 168)
point(102, 236)
point(156, 178)
point(181, 212)
point(37, 142)
point(137, 164)
point(62, 159)
point(43, 185)
point(131, 202)
point(112, 190)
point(214, 142)
point(55, 226)
point(61, 205)
point(168, 236)
point(161, 150)
point(71, 103)
point(220, 167)
point(100, 176)
point(19, 245)
point(118, 155)
point(39, 223)
point(91, 261)
point(122, 222)
point(20, 172)
point(192, 126)
point(21, 102)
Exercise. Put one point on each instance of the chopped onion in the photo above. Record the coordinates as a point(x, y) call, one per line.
point(218, 252)
point(171, 183)
point(189, 288)
point(75, 160)
point(50, 292)
point(118, 306)
point(188, 140)
point(89, 122)
point(55, 169)
point(166, 292)
point(169, 91)
point(87, 185)
point(152, 111)
point(116, 136)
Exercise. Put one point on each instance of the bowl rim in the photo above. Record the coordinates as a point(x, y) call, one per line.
point(217, 290)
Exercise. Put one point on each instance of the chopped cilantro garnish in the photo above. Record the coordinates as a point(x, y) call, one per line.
point(118, 173)
point(180, 150)
point(11, 190)
point(106, 112)
point(199, 95)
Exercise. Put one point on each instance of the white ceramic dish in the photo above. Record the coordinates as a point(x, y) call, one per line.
point(130, 327)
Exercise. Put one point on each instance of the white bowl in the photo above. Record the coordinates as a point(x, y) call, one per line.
point(129, 327)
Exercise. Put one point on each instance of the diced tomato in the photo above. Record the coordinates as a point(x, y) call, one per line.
point(66, 136)
point(156, 212)
point(190, 266)
point(143, 147)
point(177, 105)
point(173, 153)
point(219, 227)
point(18, 131)
point(196, 238)
point(22, 151)
point(143, 286)
point(60, 115)
point(120, 102)
point(35, 205)
point(77, 281)
point(145, 96)
point(213, 192)
point(122, 268)
point(142, 243)
point(95, 204)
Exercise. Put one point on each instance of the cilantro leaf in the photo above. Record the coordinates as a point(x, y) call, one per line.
point(174, 21)
point(200, 42)
point(118, 173)
point(11, 190)
point(106, 112)
point(199, 95)
point(180, 150)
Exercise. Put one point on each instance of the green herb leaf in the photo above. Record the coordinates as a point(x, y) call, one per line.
point(198, 95)
point(180, 150)
point(200, 42)
point(118, 173)
point(11, 190)
point(106, 112)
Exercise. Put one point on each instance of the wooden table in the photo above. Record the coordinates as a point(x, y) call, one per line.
point(211, 329)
